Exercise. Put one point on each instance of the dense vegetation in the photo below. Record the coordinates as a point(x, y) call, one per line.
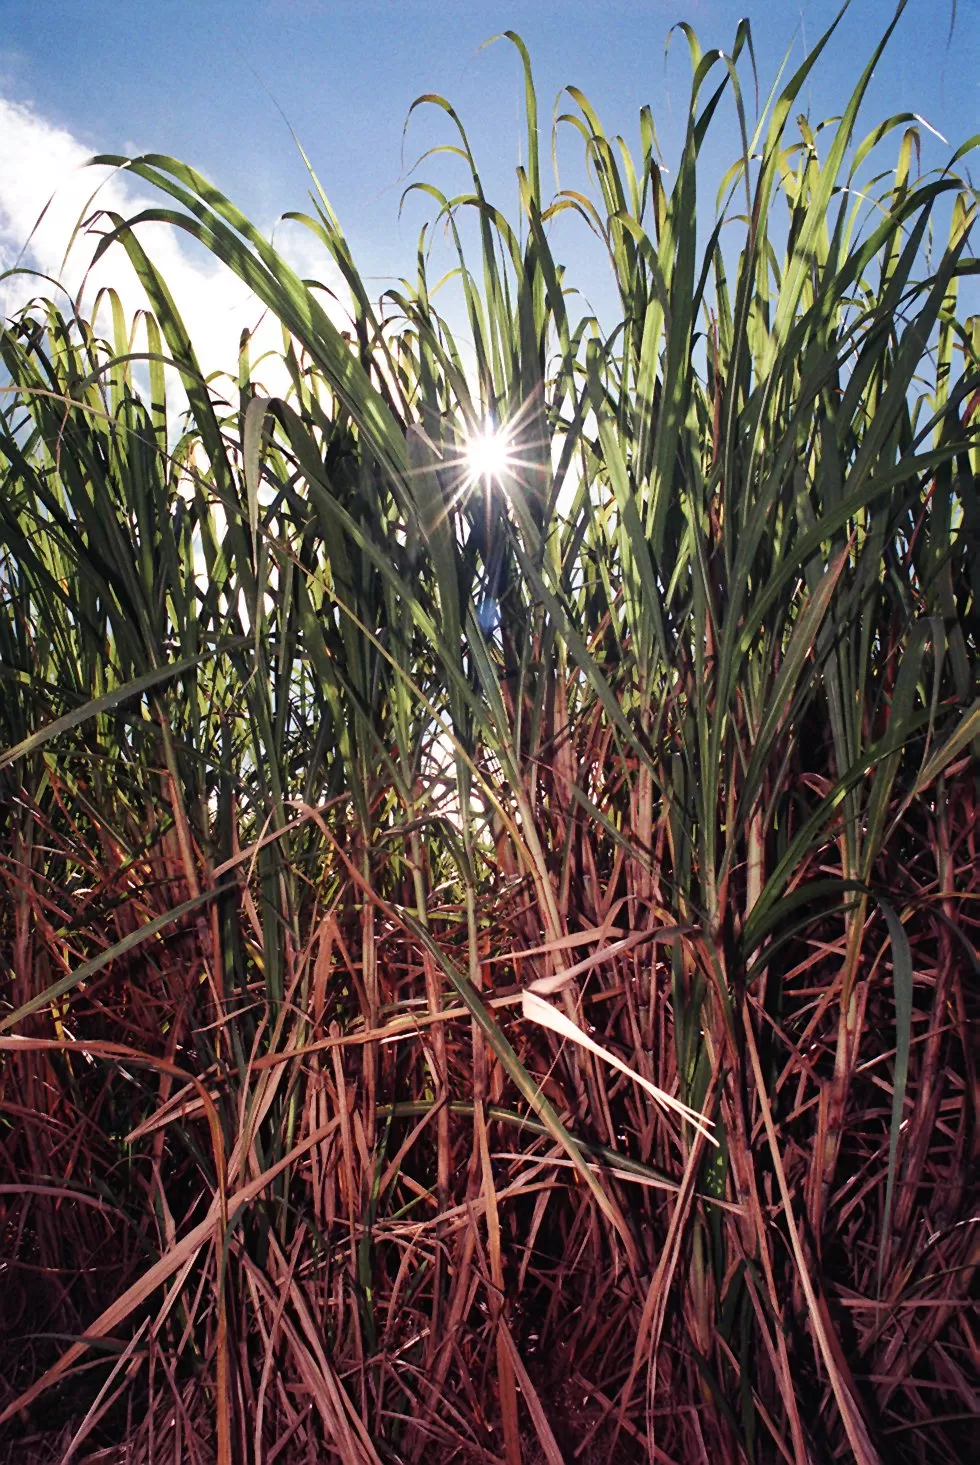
point(323, 748)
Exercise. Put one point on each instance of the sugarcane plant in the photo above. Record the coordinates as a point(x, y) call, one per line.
point(487, 823)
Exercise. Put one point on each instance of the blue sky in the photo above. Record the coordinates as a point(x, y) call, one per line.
point(204, 80)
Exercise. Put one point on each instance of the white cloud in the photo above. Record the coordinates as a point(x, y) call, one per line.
point(42, 171)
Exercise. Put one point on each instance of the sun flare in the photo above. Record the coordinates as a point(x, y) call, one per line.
point(487, 455)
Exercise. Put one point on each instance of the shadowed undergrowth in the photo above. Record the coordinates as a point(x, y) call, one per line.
point(349, 795)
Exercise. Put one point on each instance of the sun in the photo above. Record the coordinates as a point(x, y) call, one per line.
point(487, 456)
